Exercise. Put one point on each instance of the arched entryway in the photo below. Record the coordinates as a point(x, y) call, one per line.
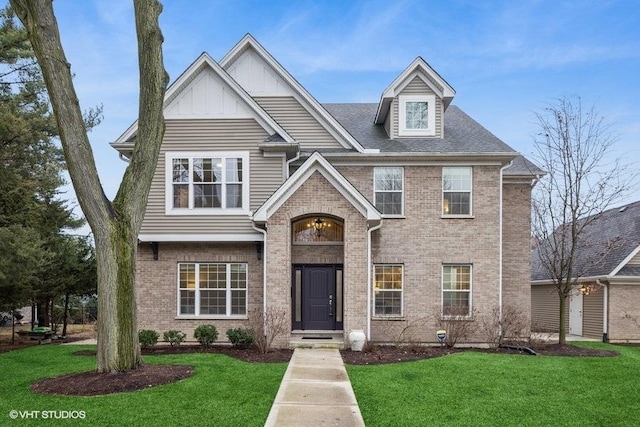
point(317, 256)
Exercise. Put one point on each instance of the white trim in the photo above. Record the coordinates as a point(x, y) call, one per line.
point(316, 163)
point(261, 116)
point(501, 243)
point(442, 290)
point(402, 192)
point(373, 300)
point(448, 215)
point(418, 67)
point(370, 275)
point(191, 210)
point(625, 261)
point(431, 115)
point(228, 290)
point(310, 103)
point(255, 237)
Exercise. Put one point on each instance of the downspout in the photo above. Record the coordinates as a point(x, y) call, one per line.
point(369, 277)
point(605, 311)
point(500, 251)
point(264, 272)
point(288, 168)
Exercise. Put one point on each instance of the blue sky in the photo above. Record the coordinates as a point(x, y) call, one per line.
point(505, 59)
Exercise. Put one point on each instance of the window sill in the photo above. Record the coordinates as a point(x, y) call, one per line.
point(206, 211)
point(443, 216)
point(389, 318)
point(460, 318)
point(394, 216)
point(211, 317)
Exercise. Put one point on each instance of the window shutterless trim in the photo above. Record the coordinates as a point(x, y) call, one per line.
point(191, 155)
point(401, 191)
point(470, 192)
point(401, 291)
point(431, 115)
point(469, 314)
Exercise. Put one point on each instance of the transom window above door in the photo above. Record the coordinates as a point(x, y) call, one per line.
point(318, 230)
point(207, 183)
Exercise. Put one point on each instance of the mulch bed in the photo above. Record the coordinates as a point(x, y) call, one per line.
point(94, 383)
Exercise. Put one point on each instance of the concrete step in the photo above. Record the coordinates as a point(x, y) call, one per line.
point(317, 339)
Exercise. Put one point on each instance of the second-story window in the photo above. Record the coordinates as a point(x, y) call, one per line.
point(417, 115)
point(207, 182)
point(456, 191)
point(388, 185)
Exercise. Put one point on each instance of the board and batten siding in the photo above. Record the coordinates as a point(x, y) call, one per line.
point(592, 313)
point(298, 122)
point(415, 87)
point(197, 135)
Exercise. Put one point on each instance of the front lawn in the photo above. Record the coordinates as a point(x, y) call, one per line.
point(222, 391)
point(474, 388)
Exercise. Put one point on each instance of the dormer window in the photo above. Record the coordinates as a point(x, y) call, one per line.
point(417, 115)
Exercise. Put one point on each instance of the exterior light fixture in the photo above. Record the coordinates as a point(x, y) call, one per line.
point(585, 290)
point(319, 225)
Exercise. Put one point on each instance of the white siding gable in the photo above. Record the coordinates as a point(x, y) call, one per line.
point(257, 77)
point(207, 96)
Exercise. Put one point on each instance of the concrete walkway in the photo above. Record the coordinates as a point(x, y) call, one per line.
point(315, 391)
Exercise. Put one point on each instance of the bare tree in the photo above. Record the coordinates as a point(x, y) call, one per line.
point(115, 224)
point(573, 146)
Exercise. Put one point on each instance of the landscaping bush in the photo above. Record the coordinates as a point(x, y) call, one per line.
point(241, 337)
point(206, 334)
point(148, 337)
point(174, 337)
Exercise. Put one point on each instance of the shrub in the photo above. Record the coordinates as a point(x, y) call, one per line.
point(241, 337)
point(206, 334)
point(174, 337)
point(268, 327)
point(148, 337)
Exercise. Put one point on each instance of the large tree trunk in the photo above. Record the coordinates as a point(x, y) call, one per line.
point(562, 328)
point(115, 225)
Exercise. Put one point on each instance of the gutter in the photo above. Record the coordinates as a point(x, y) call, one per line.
point(500, 256)
point(287, 172)
point(370, 277)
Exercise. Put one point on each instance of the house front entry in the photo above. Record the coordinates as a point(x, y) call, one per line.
point(317, 297)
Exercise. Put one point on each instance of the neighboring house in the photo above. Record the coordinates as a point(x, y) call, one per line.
point(605, 302)
point(372, 217)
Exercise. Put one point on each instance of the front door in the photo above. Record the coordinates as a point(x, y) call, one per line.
point(315, 298)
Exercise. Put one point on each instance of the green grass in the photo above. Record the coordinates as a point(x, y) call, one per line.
point(222, 391)
point(480, 389)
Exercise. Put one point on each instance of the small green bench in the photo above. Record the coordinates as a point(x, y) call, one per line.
point(42, 334)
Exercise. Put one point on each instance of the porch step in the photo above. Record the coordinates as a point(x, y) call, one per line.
point(317, 339)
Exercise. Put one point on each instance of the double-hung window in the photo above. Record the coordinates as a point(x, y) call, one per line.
point(207, 183)
point(215, 289)
point(417, 116)
point(387, 290)
point(456, 191)
point(388, 184)
point(456, 290)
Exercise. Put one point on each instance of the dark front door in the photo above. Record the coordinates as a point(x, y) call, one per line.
point(318, 295)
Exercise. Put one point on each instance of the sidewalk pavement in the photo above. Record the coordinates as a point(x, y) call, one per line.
point(315, 391)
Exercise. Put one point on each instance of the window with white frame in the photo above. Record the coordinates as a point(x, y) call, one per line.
point(387, 290)
point(388, 184)
point(456, 190)
point(417, 115)
point(206, 183)
point(212, 289)
point(456, 290)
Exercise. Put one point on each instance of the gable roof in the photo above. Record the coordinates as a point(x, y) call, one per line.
point(202, 62)
point(303, 96)
point(316, 163)
point(606, 246)
point(421, 69)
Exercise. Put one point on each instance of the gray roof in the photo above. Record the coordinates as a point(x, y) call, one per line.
point(606, 242)
point(522, 166)
point(462, 134)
